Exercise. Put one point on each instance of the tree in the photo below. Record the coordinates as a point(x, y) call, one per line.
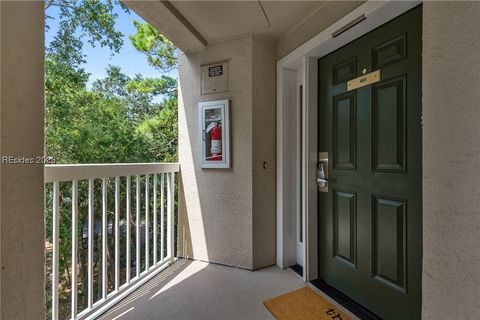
point(161, 131)
point(113, 116)
point(85, 20)
point(153, 86)
point(160, 52)
point(139, 93)
point(114, 84)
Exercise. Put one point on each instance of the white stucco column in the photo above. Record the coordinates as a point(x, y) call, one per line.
point(451, 169)
point(21, 135)
point(227, 216)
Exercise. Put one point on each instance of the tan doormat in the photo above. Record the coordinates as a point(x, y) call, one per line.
point(303, 304)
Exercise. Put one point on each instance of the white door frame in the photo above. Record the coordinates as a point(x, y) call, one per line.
point(304, 60)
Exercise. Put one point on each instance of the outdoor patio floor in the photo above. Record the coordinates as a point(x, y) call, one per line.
point(199, 290)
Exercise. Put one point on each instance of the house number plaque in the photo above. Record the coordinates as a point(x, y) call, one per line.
point(364, 80)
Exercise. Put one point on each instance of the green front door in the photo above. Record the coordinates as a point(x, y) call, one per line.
point(370, 220)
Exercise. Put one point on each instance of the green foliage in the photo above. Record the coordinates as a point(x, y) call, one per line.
point(139, 105)
point(85, 126)
point(92, 21)
point(113, 85)
point(154, 86)
point(80, 124)
point(159, 50)
point(161, 131)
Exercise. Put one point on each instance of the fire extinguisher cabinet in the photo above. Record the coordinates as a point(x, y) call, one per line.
point(214, 134)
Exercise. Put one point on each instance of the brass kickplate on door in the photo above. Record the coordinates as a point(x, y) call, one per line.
point(364, 80)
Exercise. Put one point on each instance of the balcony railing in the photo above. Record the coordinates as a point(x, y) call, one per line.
point(79, 200)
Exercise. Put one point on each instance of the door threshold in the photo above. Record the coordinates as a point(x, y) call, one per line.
point(345, 301)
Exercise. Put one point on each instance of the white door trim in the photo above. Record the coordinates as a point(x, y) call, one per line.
point(299, 219)
point(309, 166)
point(304, 59)
point(286, 133)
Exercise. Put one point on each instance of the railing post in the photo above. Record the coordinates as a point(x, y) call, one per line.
point(155, 223)
point(128, 262)
point(170, 217)
point(74, 246)
point(117, 233)
point(104, 238)
point(90, 243)
point(162, 218)
point(147, 233)
point(137, 227)
point(55, 249)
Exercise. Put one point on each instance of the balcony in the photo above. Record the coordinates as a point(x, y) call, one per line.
point(114, 224)
point(273, 89)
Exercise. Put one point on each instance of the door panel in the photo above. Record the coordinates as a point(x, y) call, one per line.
point(370, 221)
point(389, 241)
point(344, 226)
point(389, 126)
point(344, 131)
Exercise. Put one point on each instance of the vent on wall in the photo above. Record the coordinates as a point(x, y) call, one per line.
point(349, 25)
point(214, 78)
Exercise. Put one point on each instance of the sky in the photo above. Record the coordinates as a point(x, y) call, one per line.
point(129, 59)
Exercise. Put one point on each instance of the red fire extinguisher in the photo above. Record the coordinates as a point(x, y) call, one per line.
point(215, 131)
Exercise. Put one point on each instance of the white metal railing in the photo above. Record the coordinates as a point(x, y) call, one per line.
point(70, 176)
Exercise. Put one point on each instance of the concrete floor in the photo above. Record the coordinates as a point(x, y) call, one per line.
point(199, 290)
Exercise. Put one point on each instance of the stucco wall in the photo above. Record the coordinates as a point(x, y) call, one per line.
point(227, 216)
point(264, 150)
point(451, 167)
point(218, 202)
point(21, 134)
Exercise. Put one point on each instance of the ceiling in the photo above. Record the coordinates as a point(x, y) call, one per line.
point(269, 18)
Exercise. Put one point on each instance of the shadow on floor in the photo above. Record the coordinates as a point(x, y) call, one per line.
point(199, 290)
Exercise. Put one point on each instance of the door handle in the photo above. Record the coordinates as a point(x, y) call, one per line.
point(322, 172)
point(322, 184)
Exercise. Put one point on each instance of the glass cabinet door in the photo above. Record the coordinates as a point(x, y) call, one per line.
point(214, 134)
